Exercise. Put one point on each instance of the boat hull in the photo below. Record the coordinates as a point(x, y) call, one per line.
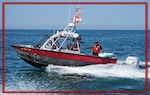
point(40, 58)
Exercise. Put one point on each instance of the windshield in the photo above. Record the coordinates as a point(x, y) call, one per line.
point(42, 41)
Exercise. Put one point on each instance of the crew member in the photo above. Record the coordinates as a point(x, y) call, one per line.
point(74, 46)
point(96, 49)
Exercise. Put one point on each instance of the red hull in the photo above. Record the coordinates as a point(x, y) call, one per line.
point(65, 56)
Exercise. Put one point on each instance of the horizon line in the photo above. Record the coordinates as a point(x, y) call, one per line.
point(76, 29)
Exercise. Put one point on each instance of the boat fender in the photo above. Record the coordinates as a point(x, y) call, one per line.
point(106, 55)
point(132, 61)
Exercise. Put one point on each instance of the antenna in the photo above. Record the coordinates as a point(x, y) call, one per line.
point(78, 4)
point(69, 12)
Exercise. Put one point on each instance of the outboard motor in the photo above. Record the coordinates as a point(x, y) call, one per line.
point(132, 61)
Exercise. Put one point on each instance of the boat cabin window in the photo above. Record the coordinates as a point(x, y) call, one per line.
point(69, 43)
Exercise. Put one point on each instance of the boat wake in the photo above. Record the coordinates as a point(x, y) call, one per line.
point(109, 70)
point(140, 64)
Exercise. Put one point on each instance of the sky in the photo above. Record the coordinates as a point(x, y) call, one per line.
point(104, 17)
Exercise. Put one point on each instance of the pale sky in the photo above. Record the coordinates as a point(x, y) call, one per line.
point(105, 17)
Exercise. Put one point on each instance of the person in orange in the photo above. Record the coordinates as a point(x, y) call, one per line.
point(96, 49)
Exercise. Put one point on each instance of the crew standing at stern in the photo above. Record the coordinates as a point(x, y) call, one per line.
point(96, 49)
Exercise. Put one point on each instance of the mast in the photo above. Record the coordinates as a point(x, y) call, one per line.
point(76, 17)
point(69, 12)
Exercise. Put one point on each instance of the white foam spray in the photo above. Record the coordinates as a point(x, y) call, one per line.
point(108, 70)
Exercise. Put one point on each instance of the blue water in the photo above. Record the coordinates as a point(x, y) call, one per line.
point(19, 76)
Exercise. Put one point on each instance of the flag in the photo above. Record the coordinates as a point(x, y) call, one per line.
point(77, 19)
point(78, 11)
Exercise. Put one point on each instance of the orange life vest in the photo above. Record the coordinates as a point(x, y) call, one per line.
point(96, 49)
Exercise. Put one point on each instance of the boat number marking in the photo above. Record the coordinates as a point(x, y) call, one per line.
point(26, 49)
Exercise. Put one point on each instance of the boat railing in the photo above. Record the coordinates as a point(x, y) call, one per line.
point(41, 41)
point(62, 43)
point(54, 42)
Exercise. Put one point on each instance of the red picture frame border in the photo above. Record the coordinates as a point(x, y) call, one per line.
point(77, 92)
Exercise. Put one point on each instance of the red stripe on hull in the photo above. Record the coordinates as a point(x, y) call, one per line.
point(67, 56)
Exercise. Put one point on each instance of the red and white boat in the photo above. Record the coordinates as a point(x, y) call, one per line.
point(57, 50)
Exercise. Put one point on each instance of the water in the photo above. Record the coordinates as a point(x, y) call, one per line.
point(19, 76)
